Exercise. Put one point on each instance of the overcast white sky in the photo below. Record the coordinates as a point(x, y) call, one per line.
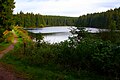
point(73, 8)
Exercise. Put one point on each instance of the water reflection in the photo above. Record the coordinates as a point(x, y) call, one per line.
point(53, 34)
point(57, 34)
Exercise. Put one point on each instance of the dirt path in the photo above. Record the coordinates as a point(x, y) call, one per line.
point(6, 71)
point(9, 47)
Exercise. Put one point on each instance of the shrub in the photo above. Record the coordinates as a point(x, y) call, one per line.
point(37, 56)
point(1, 40)
point(93, 55)
point(8, 35)
point(1, 31)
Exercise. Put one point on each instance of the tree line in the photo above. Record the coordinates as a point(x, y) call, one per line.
point(28, 20)
point(60, 20)
point(109, 19)
point(38, 20)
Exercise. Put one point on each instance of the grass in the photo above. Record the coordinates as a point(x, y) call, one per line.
point(4, 45)
point(50, 71)
point(47, 72)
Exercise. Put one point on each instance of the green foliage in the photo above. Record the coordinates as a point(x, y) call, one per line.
point(3, 45)
point(41, 25)
point(38, 56)
point(66, 60)
point(6, 16)
point(59, 20)
point(37, 20)
point(6, 10)
point(44, 62)
point(92, 55)
point(101, 57)
point(1, 40)
point(109, 19)
point(113, 36)
point(112, 25)
point(1, 34)
point(78, 34)
point(29, 20)
point(1, 31)
point(9, 37)
point(21, 33)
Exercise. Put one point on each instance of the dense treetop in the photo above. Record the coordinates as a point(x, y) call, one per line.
point(6, 14)
point(109, 19)
point(38, 20)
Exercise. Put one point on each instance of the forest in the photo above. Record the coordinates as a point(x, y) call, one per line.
point(84, 56)
point(103, 20)
point(37, 20)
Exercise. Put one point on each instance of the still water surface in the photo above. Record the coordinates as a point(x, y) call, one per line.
point(57, 34)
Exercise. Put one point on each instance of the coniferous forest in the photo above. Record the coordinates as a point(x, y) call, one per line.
point(37, 20)
point(6, 15)
point(84, 56)
point(104, 20)
point(98, 20)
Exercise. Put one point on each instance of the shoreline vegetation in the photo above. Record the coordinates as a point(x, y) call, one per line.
point(84, 56)
point(91, 58)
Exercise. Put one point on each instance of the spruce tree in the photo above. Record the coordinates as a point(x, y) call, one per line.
point(6, 13)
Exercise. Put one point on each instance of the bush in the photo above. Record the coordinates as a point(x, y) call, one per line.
point(89, 54)
point(1, 40)
point(8, 36)
point(37, 56)
point(113, 36)
point(93, 55)
point(1, 31)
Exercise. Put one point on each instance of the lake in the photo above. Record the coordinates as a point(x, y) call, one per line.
point(57, 34)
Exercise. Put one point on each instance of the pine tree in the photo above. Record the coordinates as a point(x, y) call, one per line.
point(6, 16)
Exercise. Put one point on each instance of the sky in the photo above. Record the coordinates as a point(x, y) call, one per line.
point(72, 8)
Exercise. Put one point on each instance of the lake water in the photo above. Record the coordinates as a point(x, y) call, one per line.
point(58, 33)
